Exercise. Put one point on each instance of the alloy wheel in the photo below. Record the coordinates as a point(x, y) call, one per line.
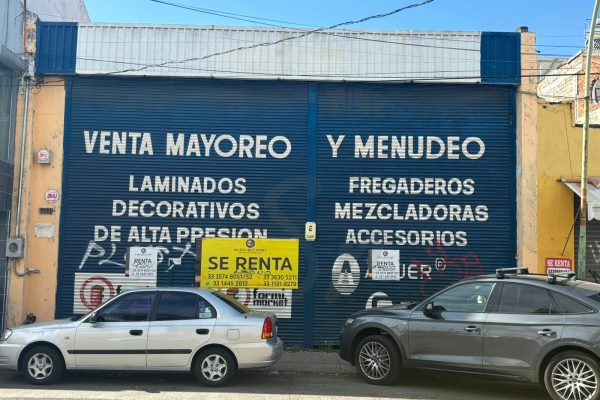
point(214, 367)
point(40, 366)
point(574, 379)
point(375, 360)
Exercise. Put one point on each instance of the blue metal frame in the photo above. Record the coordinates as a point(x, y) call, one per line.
point(65, 183)
point(500, 54)
point(63, 41)
point(311, 208)
point(513, 165)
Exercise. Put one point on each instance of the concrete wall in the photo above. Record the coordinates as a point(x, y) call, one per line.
point(526, 156)
point(559, 155)
point(35, 293)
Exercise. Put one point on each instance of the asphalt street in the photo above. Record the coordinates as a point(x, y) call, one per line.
point(264, 385)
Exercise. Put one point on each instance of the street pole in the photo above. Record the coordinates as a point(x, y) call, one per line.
point(581, 257)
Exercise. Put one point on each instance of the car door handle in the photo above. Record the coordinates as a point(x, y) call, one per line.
point(472, 328)
point(136, 332)
point(202, 331)
point(547, 332)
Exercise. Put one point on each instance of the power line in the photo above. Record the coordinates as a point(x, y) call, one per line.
point(266, 44)
point(257, 20)
point(562, 36)
point(246, 18)
point(416, 76)
point(368, 77)
point(254, 19)
point(348, 36)
point(240, 17)
point(391, 79)
point(82, 83)
point(104, 60)
point(392, 76)
point(559, 45)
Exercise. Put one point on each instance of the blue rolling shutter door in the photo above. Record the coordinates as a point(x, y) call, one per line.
point(92, 181)
point(374, 112)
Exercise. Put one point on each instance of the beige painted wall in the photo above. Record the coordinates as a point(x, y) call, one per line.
point(527, 110)
point(36, 293)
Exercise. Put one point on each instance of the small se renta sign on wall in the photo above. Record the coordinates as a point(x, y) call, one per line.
point(43, 156)
point(556, 265)
point(52, 196)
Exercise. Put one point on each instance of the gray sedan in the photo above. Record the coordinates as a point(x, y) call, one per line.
point(511, 325)
point(158, 329)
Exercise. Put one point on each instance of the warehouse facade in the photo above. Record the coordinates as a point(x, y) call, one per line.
point(394, 144)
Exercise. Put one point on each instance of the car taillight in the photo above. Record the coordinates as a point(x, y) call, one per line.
point(267, 332)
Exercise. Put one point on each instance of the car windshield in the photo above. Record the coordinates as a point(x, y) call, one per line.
point(239, 307)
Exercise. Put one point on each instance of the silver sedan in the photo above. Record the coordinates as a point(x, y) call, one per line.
point(158, 329)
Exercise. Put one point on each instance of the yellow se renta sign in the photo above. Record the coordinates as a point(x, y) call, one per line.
point(249, 263)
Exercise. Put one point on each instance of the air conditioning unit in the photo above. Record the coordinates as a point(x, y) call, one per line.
point(14, 247)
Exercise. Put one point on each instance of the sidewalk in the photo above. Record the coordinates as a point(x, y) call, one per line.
point(313, 362)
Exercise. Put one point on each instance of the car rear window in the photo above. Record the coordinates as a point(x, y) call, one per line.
point(589, 289)
point(525, 299)
point(568, 305)
point(595, 297)
point(176, 306)
point(236, 305)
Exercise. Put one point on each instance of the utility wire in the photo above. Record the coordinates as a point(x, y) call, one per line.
point(354, 36)
point(391, 79)
point(225, 14)
point(365, 74)
point(81, 82)
point(257, 20)
point(368, 77)
point(267, 44)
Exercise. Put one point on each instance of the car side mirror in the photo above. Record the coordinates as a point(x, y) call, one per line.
point(431, 310)
point(92, 318)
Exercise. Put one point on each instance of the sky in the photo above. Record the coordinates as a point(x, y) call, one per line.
point(559, 24)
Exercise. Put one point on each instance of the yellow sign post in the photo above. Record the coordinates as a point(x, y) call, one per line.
point(249, 263)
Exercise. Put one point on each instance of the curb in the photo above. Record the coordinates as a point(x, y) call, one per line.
point(313, 362)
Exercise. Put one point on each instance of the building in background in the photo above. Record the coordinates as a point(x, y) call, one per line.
point(560, 120)
point(17, 45)
point(387, 140)
point(58, 10)
point(559, 169)
point(564, 81)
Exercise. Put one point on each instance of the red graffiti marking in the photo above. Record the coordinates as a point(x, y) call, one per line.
point(458, 268)
point(96, 291)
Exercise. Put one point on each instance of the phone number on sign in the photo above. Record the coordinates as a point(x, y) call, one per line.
point(281, 277)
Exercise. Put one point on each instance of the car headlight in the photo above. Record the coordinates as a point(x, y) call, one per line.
point(6, 334)
point(349, 321)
